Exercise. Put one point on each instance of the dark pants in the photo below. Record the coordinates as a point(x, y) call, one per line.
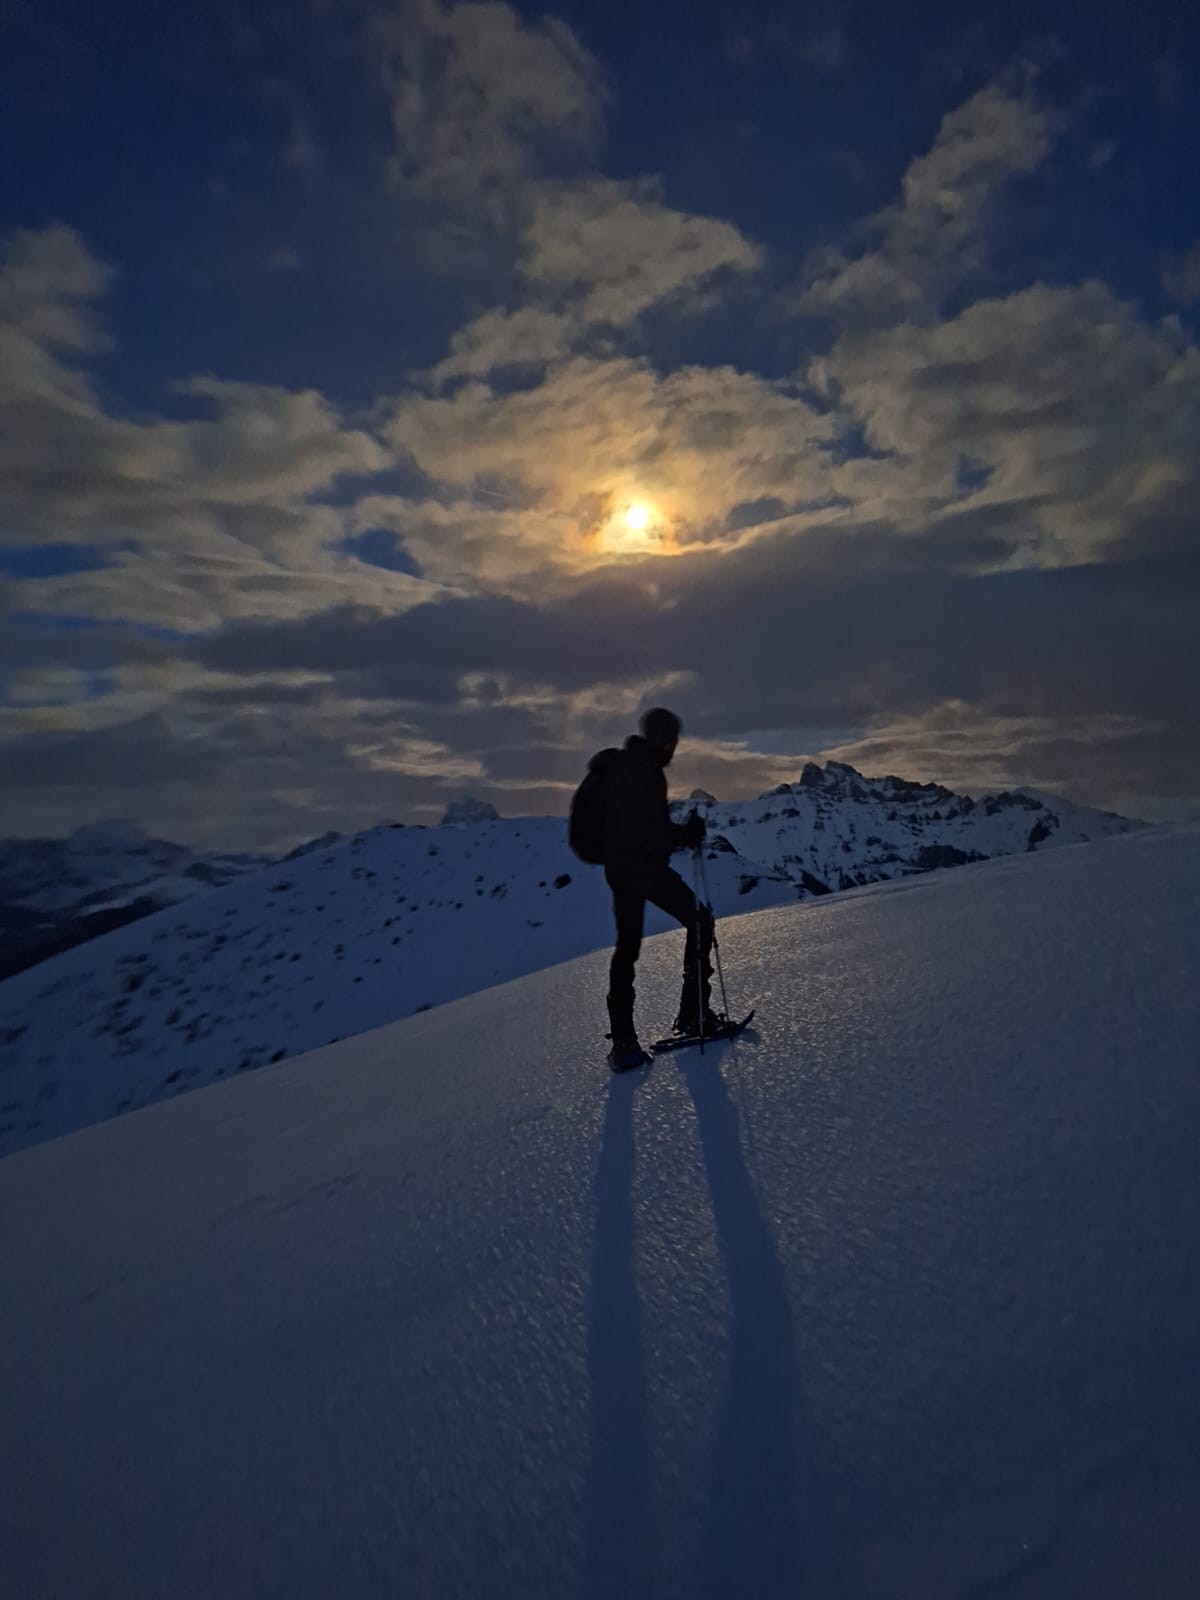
point(664, 888)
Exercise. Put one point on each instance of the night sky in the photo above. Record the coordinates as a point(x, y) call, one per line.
point(397, 398)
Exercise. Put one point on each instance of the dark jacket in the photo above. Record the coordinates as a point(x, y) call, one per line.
point(639, 833)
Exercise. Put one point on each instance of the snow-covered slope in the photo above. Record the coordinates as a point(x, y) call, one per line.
point(328, 944)
point(347, 934)
point(894, 1298)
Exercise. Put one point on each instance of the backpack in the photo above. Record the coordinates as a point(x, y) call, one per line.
point(587, 829)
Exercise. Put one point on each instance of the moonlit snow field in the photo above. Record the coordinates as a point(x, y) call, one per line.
point(895, 1296)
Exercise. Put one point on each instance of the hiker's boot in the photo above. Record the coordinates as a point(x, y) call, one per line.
point(626, 1052)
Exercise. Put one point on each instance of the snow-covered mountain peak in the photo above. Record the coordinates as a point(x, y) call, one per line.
point(835, 778)
point(841, 775)
point(468, 810)
point(838, 779)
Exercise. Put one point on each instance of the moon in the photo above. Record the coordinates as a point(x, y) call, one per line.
point(636, 528)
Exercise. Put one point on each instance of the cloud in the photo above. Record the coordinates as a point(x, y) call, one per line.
point(1079, 678)
point(593, 435)
point(935, 236)
point(560, 644)
point(622, 250)
point(48, 281)
point(593, 256)
point(129, 757)
point(249, 770)
point(263, 444)
point(194, 518)
point(1181, 276)
point(1084, 418)
point(1037, 428)
point(961, 543)
point(496, 120)
point(860, 627)
point(68, 462)
point(1083, 758)
point(497, 541)
point(498, 339)
point(981, 680)
point(205, 576)
point(481, 100)
point(91, 652)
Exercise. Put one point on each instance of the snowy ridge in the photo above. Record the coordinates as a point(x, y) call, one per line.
point(893, 1300)
point(836, 829)
point(347, 934)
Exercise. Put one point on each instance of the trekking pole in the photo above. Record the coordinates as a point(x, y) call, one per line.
point(743, 1110)
point(716, 945)
point(696, 867)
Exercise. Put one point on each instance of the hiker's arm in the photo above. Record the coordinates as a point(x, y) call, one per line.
point(690, 832)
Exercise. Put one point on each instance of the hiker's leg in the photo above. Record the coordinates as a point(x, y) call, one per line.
point(629, 910)
point(672, 895)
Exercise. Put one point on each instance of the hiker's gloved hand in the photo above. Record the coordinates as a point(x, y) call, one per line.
point(694, 830)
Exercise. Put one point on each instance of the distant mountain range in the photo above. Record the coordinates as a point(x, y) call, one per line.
point(348, 933)
point(55, 893)
point(835, 829)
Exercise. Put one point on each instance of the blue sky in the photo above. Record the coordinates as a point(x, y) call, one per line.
point(338, 340)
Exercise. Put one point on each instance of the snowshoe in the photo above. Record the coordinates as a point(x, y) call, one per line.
point(725, 1030)
point(689, 1025)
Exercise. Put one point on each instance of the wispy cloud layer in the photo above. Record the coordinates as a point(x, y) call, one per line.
point(481, 100)
point(957, 538)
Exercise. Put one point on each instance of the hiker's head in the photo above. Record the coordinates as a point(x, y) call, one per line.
point(661, 730)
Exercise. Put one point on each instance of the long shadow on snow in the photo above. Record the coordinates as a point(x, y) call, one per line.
point(618, 1484)
point(765, 1530)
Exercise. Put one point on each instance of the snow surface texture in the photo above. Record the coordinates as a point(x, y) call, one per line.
point(346, 935)
point(896, 1297)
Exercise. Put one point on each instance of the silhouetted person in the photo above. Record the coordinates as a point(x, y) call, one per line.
point(639, 837)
